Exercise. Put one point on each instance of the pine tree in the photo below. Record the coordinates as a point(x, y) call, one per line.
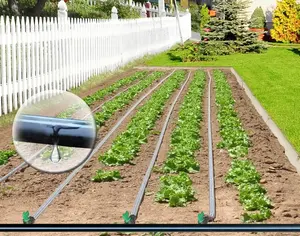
point(258, 19)
point(286, 22)
point(230, 26)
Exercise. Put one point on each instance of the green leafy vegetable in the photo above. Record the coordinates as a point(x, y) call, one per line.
point(112, 88)
point(176, 190)
point(5, 155)
point(242, 171)
point(106, 176)
point(235, 140)
point(185, 139)
point(124, 98)
point(126, 146)
point(234, 137)
point(70, 111)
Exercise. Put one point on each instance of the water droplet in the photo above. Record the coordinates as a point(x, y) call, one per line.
point(55, 155)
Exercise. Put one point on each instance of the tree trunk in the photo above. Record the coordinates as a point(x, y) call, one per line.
point(38, 8)
point(14, 7)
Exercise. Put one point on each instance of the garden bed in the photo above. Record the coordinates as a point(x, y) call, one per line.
point(109, 200)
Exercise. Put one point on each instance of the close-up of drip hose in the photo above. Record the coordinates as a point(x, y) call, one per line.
point(50, 130)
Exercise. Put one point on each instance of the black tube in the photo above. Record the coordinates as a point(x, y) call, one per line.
point(66, 132)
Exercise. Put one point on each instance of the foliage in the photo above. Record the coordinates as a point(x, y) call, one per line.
point(176, 190)
point(204, 16)
point(251, 194)
point(258, 19)
point(106, 176)
point(286, 22)
point(76, 9)
point(5, 155)
point(201, 51)
point(234, 137)
point(242, 173)
point(124, 11)
point(126, 146)
point(110, 107)
point(226, 34)
point(185, 139)
point(199, 16)
point(112, 88)
point(229, 25)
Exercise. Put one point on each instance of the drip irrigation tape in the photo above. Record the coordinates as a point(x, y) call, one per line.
point(140, 195)
point(41, 209)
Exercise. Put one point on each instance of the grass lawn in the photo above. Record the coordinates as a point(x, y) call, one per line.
point(273, 77)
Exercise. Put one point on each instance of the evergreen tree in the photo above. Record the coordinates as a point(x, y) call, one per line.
point(258, 19)
point(230, 26)
point(286, 22)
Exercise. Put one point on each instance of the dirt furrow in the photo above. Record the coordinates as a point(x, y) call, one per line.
point(154, 212)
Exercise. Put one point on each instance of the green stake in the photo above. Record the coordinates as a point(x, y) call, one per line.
point(202, 219)
point(27, 219)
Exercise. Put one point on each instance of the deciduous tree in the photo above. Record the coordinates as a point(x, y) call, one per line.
point(286, 22)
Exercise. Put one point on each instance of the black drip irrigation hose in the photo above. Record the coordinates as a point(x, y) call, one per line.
point(139, 198)
point(204, 219)
point(23, 164)
point(27, 219)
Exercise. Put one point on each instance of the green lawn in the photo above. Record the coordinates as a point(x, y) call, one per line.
point(273, 77)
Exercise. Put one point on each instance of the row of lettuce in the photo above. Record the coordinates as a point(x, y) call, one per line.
point(242, 174)
point(176, 185)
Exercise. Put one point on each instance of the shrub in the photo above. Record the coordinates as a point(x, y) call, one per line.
point(202, 51)
point(286, 22)
point(124, 12)
point(209, 50)
point(199, 16)
point(258, 19)
point(76, 9)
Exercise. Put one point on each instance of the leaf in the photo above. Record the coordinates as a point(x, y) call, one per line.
point(106, 176)
point(5, 155)
point(176, 190)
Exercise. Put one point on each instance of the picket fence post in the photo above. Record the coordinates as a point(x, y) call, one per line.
point(59, 53)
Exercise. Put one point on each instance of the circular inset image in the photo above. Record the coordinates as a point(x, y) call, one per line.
point(54, 131)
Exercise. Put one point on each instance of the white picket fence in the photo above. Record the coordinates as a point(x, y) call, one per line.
point(42, 54)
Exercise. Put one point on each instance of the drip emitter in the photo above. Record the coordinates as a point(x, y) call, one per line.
point(54, 131)
point(55, 155)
